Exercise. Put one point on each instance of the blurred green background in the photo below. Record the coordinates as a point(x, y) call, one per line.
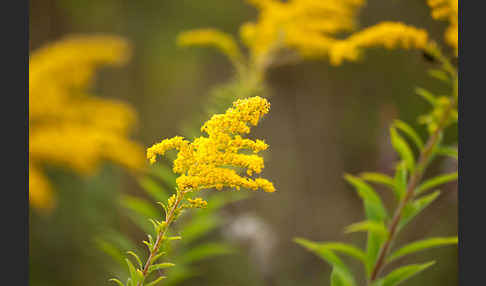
point(324, 121)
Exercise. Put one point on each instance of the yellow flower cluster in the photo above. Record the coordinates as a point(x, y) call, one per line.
point(313, 28)
point(447, 10)
point(387, 34)
point(213, 161)
point(67, 127)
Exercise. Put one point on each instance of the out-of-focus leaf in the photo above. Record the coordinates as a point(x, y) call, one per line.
point(156, 281)
point(139, 206)
point(154, 189)
point(375, 227)
point(403, 273)
point(401, 178)
point(342, 275)
point(118, 282)
point(411, 133)
point(199, 226)
point(435, 181)
point(378, 178)
point(440, 75)
point(375, 211)
point(448, 151)
point(344, 248)
point(140, 265)
point(421, 245)
point(340, 278)
point(132, 270)
point(110, 249)
point(160, 266)
point(427, 95)
point(374, 208)
point(403, 149)
point(165, 173)
point(413, 208)
point(204, 251)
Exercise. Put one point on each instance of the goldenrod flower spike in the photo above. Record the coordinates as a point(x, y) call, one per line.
point(212, 37)
point(69, 128)
point(209, 162)
point(447, 10)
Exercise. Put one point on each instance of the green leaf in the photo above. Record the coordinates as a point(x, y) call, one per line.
point(375, 211)
point(413, 208)
point(110, 249)
point(427, 95)
point(155, 190)
point(344, 248)
point(421, 245)
point(140, 206)
point(439, 74)
point(199, 226)
point(205, 251)
point(378, 178)
point(133, 271)
point(160, 266)
point(403, 273)
point(340, 278)
point(374, 208)
point(448, 151)
point(401, 178)
point(140, 265)
point(407, 129)
point(156, 281)
point(375, 227)
point(341, 272)
point(401, 146)
point(118, 282)
point(436, 181)
point(164, 173)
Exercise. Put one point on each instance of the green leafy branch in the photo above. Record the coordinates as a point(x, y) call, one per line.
point(409, 191)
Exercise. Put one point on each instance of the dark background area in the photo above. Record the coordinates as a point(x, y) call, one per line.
point(324, 121)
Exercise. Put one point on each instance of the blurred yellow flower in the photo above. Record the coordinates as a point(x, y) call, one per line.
point(67, 126)
point(210, 162)
point(317, 29)
point(447, 10)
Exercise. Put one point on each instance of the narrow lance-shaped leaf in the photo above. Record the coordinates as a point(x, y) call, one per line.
point(341, 272)
point(403, 149)
point(435, 181)
point(403, 273)
point(154, 189)
point(410, 132)
point(375, 227)
point(421, 245)
point(156, 281)
point(160, 266)
point(374, 207)
point(413, 208)
point(140, 206)
point(205, 251)
point(427, 95)
point(447, 151)
point(116, 281)
point(344, 248)
point(140, 265)
point(375, 211)
point(378, 178)
point(401, 181)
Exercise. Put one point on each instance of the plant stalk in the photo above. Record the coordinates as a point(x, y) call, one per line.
point(424, 158)
point(161, 235)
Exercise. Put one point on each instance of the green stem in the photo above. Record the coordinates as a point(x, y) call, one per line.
point(161, 234)
point(424, 158)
